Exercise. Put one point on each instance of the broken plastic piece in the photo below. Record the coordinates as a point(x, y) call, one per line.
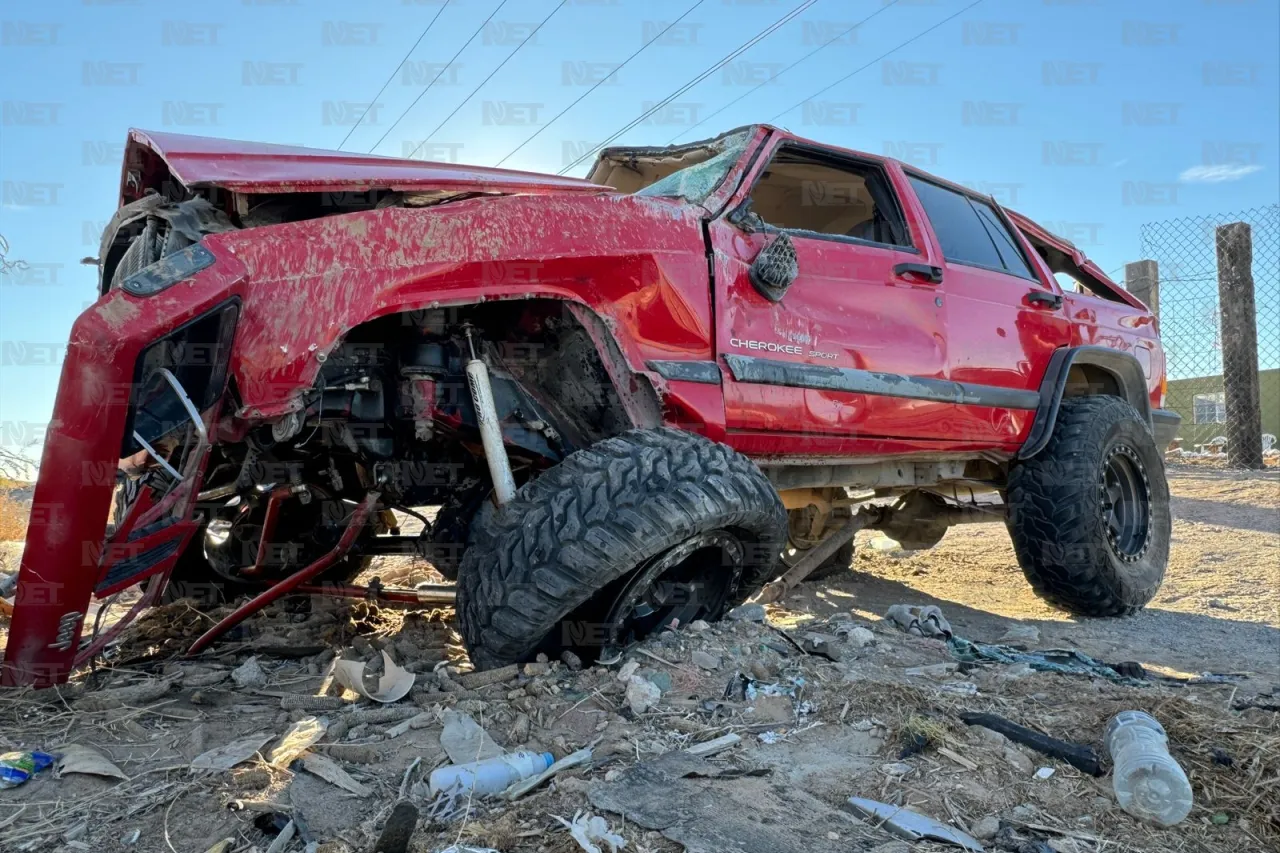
point(76, 758)
point(913, 826)
point(395, 683)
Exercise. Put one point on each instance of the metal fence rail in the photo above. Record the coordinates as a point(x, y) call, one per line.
point(1219, 307)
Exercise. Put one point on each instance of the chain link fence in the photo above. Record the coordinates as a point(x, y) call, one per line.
point(1218, 297)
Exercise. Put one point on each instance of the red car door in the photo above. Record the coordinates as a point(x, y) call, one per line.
point(1004, 316)
point(853, 352)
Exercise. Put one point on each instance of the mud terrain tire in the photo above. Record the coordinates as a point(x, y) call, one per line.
point(1076, 551)
point(595, 518)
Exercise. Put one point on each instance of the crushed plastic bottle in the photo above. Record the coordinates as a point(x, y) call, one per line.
point(490, 776)
point(1148, 783)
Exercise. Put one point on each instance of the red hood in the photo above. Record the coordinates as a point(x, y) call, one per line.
point(260, 167)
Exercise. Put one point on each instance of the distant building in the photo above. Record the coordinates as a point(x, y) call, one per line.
point(1201, 402)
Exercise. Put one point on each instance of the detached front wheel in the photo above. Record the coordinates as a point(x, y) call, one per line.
point(1089, 515)
point(638, 532)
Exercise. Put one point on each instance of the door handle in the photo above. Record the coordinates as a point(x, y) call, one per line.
point(928, 271)
point(1043, 297)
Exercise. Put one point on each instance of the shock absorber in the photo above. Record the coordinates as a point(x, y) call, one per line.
point(495, 453)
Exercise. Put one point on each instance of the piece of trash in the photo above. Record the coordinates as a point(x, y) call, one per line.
point(394, 683)
point(913, 826)
point(1044, 773)
point(920, 620)
point(464, 740)
point(491, 775)
point(642, 694)
point(226, 757)
point(330, 771)
point(132, 838)
point(1081, 757)
point(300, 737)
point(249, 675)
point(1220, 819)
point(398, 829)
point(1020, 633)
point(770, 736)
point(77, 758)
point(960, 688)
point(747, 613)
point(18, 767)
point(221, 846)
point(1148, 782)
point(587, 829)
point(1064, 661)
point(937, 671)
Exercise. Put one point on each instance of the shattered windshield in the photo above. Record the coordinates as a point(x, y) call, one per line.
point(694, 183)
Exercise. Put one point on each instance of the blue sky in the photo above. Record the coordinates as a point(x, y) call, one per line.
point(1092, 116)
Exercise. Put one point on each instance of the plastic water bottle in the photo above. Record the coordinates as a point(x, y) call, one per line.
point(1148, 783)
point(490, 776)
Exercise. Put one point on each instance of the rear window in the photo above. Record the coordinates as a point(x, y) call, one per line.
point(970, 230)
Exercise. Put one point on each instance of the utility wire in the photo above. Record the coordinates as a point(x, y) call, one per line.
point(879, 58)
point(437, 77)
point(393, 74)
point(602, 82)
point(757, 87)
point(531, 34)
point(763, 34)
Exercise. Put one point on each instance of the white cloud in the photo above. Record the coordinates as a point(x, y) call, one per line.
point(1218, 174)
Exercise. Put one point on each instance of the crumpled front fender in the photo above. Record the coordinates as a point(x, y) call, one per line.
point(637, 263)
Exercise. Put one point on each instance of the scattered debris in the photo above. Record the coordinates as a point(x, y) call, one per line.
point(641, 695)
point(1044, 773)
point(300, 737)
point(249, 675)
point(913, 826)
point(1081, 757)
point(330, 771)
point(228, 756)
point(77, 758)
point(1148, 782)
point(747, 613)
point(922, 621)
point(394, 683)
point(464, 740)
point(576, 759)
point(587, 829)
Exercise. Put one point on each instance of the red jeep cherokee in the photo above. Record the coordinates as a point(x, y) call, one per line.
point(635, 398)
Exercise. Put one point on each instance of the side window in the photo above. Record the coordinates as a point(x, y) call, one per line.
point(802, 192)
point(970, 231)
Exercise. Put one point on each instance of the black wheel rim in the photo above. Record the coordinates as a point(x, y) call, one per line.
point(693, 580)
point(1126, 502)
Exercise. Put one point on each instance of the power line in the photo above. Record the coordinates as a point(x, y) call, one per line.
point(393, 74)
point(447, 65)
point(531, 34)
point(763, 34)
point(882, 56)
point(773, 77)
point(600, 83)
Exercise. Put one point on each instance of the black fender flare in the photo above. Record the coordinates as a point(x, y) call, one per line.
point(1122, 366)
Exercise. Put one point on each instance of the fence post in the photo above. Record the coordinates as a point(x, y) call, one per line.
point(1239, 344)
point(1142, 279)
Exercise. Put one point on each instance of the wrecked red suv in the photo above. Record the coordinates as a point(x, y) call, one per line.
point(634, 399)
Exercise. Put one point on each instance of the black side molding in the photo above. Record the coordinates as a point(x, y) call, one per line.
point(1122, 366)
point(706, 372)
point(767, 371)
point(1165, 423)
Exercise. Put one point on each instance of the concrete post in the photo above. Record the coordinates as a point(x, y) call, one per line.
point(1239, 345)
point(1142, 279)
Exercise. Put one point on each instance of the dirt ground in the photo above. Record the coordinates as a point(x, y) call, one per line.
point(814, 729)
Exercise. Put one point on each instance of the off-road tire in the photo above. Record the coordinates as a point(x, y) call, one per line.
point(597, 516)
point(1057, 512)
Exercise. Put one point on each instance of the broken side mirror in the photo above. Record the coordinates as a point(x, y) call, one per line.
point(775, 268)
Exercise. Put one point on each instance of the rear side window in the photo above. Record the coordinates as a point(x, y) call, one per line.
point(970, 231)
